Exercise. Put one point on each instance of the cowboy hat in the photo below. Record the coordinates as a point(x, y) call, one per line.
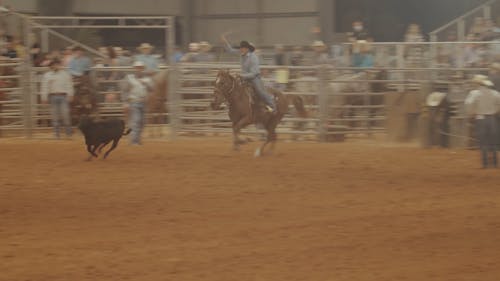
point(194, 47)
point(435, 99)
point(205, 45)
point(495, 66)
point(248, 45)
point(318, 43)
point(145, 46)
point(482, 80)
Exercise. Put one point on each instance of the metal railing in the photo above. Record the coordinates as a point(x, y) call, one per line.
point(460, 25)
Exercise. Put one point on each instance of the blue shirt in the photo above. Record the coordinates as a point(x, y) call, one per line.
point(78, 66)
point(150, 62)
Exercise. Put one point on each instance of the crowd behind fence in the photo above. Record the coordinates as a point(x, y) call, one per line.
point(341, 99)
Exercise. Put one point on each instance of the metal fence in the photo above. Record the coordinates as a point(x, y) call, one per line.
point(342, 101)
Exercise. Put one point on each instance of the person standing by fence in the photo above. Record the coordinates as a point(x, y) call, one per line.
point(484, 103)
point(135, 88)
point(57, 90)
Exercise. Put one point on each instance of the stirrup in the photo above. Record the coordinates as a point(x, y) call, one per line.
point(269, 109)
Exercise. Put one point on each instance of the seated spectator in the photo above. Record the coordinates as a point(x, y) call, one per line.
point(145, 56)
point(80, 65)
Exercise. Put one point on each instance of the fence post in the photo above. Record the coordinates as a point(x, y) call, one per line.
point(44, 39)
point(323, 102)
point(172, 101)
point(461, 30)
point(487, 12)
point(400, 60)
point(26, 84)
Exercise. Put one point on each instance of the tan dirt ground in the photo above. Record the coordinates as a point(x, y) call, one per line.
point(195, 210)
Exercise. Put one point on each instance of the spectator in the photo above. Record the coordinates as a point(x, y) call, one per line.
point(192, 55)
point(205, 55)
point(414, 53)
point(35, 50)
point(80, 65)
point(358, 32)
point(494, 75)
point(297, 56)
point(67, 56)
point(136, 87)
point(57, 90)
point(320, 53)
point(10, 50)
point(19, 48)
point(3, 42)
point(122, 59)
point(279, 55)
point(150, 61)
point(364, 57)
point(177, 56)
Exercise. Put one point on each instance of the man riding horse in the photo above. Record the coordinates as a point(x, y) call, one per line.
point(250, 71)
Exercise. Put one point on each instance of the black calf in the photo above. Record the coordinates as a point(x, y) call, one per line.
point(99, 133)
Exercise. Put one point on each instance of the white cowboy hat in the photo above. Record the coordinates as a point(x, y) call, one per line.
point(318, 43)
point(194, 47)
point(435, 99)
point(145, 46)
point(482, 80)
point(495, 66)
point(138, 64)
point(205, 45)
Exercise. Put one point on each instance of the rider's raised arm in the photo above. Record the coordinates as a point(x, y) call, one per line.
point(227, 46)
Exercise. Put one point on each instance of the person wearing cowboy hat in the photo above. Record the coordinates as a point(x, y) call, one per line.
point(135, 89)
point(320, 53)
point(483, 104)
point(205, 55)
point(494, 75)
point(192, 55)
point(145, 56)
point(250, 71)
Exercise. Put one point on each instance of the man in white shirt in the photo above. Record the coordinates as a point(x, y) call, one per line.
point(57, 90)
point(136, 87)
point(483, 104)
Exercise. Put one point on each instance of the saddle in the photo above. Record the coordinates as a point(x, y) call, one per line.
point(256, 101)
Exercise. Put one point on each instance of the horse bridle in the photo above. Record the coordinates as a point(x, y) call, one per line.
point(233, 86)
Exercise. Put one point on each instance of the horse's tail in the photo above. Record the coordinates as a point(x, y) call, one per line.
point(298, 103)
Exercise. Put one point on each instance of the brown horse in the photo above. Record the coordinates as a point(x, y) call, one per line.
point(243, 111)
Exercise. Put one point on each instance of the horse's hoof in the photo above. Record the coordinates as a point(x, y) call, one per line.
point(258, 153)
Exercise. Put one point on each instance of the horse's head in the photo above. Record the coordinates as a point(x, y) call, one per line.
point(224, 85)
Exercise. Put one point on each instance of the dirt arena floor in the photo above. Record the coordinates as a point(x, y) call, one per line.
point(195, 210)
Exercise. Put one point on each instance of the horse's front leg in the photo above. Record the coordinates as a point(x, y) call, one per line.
point(237, 126)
